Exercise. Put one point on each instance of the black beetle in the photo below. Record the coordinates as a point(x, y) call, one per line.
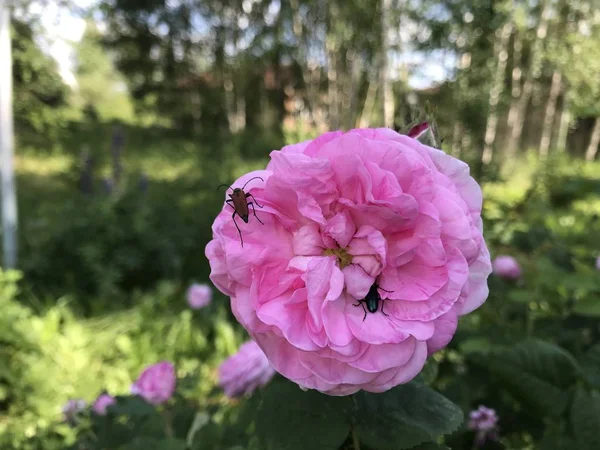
point(372, 300)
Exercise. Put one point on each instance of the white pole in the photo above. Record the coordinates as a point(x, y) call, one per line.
point(9, 203)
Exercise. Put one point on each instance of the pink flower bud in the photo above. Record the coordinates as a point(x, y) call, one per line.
point(156, 383)
point(425, 133)
point(418, 130)
point(199, 296)
point(245, 371)
point(506, 267)
point(103, 402)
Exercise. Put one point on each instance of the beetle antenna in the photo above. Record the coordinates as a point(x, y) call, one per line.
point(221, 185)
point(253, 178)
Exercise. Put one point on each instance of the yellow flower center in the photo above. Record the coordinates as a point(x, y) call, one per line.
point(344, 258)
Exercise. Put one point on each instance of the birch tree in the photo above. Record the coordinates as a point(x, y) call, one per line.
point(501, 51)
point(533, 73)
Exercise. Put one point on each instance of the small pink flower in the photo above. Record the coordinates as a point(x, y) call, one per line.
point(73, 407)
point(598, 263)
point(506, 267)
point(245, 371)
point(484, 422)
point(483, 418)
point(103, 402)
point(156, 383)
point(342, 213)
point(199, 295)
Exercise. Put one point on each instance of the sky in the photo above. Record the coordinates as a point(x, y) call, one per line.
point(65, 28)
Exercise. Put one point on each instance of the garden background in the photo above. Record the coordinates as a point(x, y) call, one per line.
point(119, 155)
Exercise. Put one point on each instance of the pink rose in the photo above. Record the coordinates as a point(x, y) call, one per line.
point(245, 371)
point(156, 383)
point(341, 213)
point(103, 402)
point(199, 296)
point(507, 267)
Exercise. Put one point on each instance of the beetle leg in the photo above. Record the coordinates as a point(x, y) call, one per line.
point(238, 228)
point(253, 199)
point(227, 201)
point(361, 303)
point(383, 289)
point(382, 312)
point(254, 211)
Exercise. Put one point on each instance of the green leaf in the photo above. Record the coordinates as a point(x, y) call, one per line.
point(430, 446)
point(475, 345)
point(429, 372)
point(145, 443)
point(520, 296)
point(132, 406)
point(555, 439)
point(537, 373)
point(591, 365)
point(291, 419)
point(403, 417)
point(585, 419)
point(208, 437)
point(588, 307)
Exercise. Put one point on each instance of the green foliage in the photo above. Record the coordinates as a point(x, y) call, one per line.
point(39, 94)
point(404, 417)
point(591, 365)
point(52, 356)
point(538, 373)
point(101, 89)
point(585, 419)
point(305, 419)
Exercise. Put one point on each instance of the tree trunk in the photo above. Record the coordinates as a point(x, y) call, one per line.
point(332, 88)
point(496, 92)
point(352, 99)
point(550, 114)
point(563, 129)
point(516, 80)
point(7, 143)
point(456, 139)
point(387, 94)
point(592, 149)
point(532, 74)
point(463, 64)
point(365, 116)
point(298, 28)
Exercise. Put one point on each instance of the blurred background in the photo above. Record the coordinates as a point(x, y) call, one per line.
point(129, 113)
